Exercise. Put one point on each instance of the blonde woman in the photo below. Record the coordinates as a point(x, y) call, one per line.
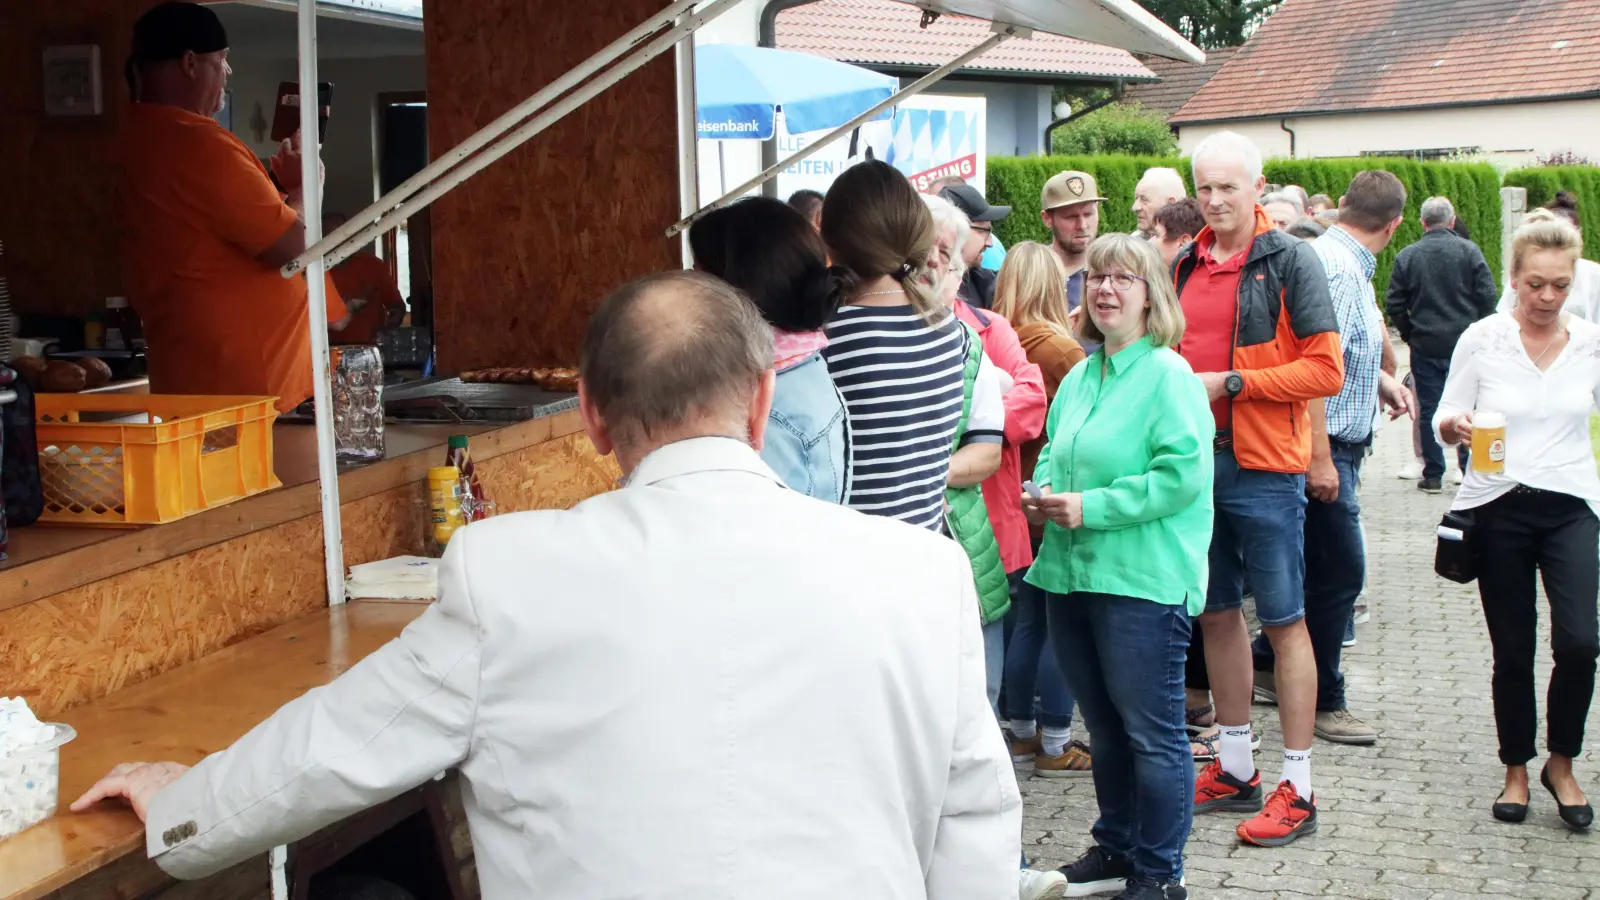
point(1028, 294)
point(1126, 482)
point(1538, 366)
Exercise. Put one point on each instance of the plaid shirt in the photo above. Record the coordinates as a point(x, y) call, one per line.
point(1350, 266)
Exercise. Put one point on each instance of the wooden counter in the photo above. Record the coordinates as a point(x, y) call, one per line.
point(84, 614)
point(183, 715)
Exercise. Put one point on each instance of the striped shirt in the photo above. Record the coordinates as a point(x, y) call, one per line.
point(901, 380)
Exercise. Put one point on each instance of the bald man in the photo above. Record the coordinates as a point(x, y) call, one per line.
point(618, 683)
point(1156, 189)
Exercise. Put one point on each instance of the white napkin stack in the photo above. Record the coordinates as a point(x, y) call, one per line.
point(400, 578)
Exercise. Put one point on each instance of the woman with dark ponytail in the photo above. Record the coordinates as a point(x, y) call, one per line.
point(900, 357)
point(772, 253)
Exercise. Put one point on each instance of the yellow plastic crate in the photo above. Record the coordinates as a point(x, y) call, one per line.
point(144, 459)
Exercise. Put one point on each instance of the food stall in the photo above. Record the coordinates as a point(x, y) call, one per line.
point(170, 641)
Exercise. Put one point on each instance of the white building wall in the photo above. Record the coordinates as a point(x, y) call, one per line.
point(1017, 113)
point(1512, 134)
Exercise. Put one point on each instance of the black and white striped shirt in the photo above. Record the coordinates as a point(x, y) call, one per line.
point(901, 379)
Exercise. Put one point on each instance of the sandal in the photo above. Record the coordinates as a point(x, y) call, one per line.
point(1193, 715)
point(1204, 746)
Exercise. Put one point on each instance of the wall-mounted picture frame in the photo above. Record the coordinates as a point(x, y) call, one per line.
point(72, 81)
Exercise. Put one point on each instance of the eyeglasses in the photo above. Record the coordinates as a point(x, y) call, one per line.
point(1122, 281)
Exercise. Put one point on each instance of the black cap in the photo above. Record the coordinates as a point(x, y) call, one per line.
point(170, 30)
point(971, 201)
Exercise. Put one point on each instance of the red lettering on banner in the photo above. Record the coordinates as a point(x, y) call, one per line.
point(964, 167)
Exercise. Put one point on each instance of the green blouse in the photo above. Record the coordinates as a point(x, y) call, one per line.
point(1136, 442)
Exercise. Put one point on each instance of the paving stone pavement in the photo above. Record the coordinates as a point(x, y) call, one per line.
point(1408, 818)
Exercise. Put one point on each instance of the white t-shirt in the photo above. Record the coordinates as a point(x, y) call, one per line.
point(1583, 301)
point(1547, 413)
point(986, 423)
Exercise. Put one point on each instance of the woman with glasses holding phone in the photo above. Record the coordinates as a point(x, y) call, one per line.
point(1125, 500)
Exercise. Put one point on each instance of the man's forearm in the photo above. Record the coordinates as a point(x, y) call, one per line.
point(1320, 449)
point(1388, 363)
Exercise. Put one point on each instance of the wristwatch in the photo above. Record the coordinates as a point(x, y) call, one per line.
point(1233, 384)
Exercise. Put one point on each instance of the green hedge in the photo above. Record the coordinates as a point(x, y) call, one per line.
point(1542, 184)
point(1473, 188)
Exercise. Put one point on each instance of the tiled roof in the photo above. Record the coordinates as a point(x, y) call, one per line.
point(1179, 81)
point(1316, 56)
point(887, 33)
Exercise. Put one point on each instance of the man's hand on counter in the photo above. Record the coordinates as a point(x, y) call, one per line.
point(138, 783)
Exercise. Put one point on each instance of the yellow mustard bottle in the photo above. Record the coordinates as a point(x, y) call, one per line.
point(444, 501)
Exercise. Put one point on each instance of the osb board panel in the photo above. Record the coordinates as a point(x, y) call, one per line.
point(59, 193)
point(389, 524)
point(84, 643)
point(524, 251)
point(557, 474)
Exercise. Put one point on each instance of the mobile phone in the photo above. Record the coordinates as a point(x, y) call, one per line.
point(1033, 490)
point(286, 118)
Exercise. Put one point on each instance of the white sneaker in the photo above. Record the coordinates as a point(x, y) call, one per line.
point(1453, 476)
point(1033, 885)
point(1411, 471)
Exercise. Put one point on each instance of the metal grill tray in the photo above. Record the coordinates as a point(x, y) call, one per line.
point(452, 400)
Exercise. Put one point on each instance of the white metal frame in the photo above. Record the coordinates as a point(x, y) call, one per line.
point(317, 308)
point(1002, 32)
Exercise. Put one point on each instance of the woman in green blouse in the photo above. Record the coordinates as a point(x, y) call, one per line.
point(1126, 505)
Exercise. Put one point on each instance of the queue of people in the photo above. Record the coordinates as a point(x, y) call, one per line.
point(1024, 479)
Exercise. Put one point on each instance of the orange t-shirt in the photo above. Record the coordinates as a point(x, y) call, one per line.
point(365, 277)
point(198, 208)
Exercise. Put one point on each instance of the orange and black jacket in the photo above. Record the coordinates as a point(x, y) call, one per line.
point(1285, 345)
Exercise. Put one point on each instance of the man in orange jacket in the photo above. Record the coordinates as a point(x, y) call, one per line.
point(1263, 337)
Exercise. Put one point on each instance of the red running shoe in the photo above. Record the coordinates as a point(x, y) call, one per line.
point(1217, 790)
point(1286, 819)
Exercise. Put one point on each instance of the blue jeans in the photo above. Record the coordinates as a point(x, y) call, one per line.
point(1123, 658)
point(1263, 513)
point(1031, 662)
point(1429, 375)
point(994, 659)
point(1336, 567)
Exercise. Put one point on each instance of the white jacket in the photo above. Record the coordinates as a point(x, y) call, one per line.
point(700, 686)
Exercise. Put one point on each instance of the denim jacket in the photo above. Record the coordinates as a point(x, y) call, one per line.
point(806, 441)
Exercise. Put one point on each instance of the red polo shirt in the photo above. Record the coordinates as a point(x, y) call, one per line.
point(1210, 302)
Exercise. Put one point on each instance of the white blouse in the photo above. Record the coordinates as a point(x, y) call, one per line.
point(1583, 301)
point(1547, 413)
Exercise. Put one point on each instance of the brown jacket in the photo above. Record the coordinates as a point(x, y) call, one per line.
point(1055, 354)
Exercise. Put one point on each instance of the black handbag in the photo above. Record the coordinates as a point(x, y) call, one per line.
point(1457, 555)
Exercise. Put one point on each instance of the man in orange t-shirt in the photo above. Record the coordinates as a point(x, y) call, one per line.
point(205, 229)
point(368, 290)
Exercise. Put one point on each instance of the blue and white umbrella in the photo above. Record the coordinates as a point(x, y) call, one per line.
point(739, 91)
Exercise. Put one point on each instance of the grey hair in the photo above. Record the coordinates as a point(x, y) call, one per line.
point(1169, 178)
point(1437, 211)
point(1231, 146)
point(947, 215)
point(672, 349)
point(1285, 197)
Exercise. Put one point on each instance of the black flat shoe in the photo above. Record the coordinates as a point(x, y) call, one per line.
point(1578, 817)
point(1509, 812)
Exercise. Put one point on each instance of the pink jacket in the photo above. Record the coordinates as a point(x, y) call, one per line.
point(1025, 412)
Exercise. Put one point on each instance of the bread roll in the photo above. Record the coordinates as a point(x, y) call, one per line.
point(98, 372)
point(62, 377)
point(31, 368)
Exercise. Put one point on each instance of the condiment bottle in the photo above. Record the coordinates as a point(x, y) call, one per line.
point(123, 331)
point(472, 497)
point(94, 333)
point(444, 503)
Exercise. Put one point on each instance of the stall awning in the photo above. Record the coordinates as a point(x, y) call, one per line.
point(1114, 23)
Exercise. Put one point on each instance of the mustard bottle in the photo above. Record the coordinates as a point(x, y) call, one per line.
point(444, 501)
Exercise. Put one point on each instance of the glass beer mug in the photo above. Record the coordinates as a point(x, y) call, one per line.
point(1488, 442)
point(357, 374)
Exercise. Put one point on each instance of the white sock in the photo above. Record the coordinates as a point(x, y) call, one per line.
point(1023, 729)
point(1233, 750)
point(1056, 740)
point(1297, 771)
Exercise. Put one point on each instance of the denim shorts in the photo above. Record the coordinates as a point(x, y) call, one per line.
point(1258, 537)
